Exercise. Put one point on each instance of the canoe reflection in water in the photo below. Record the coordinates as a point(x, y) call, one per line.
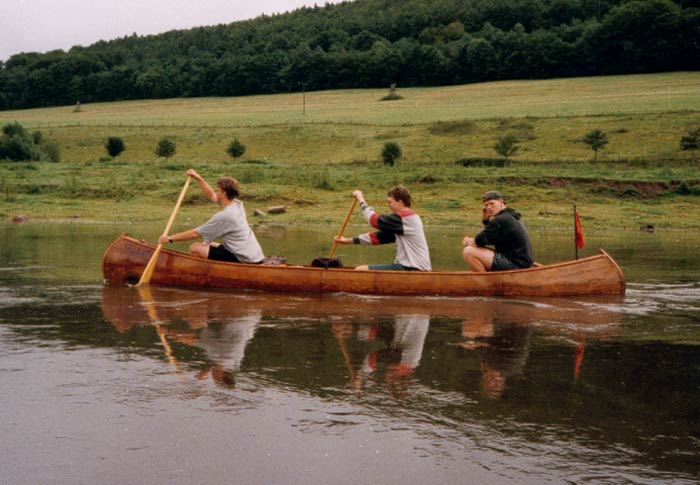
point(380, 341)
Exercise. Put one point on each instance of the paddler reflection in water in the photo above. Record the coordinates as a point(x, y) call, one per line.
point(224, 344)
point(216, 326)
point(400, 352)
point(230, 225)
point(503, 349)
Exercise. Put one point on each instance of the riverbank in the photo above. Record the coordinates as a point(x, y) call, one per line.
point(603, 214)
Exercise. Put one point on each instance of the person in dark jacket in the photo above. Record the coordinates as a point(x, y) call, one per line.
point(503, 230)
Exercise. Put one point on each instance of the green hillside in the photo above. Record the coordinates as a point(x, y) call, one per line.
point(310, 151)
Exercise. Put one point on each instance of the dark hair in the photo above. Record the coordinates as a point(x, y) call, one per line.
point(401, 193)
point(229, 186)
point(492, 195)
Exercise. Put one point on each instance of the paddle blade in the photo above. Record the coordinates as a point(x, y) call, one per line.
point(148, 272)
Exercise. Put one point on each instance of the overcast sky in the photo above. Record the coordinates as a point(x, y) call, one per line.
point(44, 25)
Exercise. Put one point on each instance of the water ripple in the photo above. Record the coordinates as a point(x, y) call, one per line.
point(49, 295)
point(647, 298)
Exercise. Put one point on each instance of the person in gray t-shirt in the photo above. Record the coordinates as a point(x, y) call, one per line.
point(230, 225)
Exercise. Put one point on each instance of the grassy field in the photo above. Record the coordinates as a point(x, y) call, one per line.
point(309, 151)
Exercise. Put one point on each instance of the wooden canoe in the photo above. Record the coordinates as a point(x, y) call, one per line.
point(125, 259)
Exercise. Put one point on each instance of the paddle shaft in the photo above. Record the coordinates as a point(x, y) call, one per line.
point(342, 229)
point(148, 272)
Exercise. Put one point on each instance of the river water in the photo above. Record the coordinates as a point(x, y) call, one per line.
point(121, 385)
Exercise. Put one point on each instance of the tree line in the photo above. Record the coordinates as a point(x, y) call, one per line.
point(367, 44)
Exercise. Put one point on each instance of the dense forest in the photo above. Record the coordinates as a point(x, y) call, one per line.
point(364, 44)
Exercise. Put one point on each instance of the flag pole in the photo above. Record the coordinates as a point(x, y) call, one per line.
point(575, 245)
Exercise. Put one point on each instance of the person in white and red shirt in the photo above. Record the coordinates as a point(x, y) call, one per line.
point(403, 226)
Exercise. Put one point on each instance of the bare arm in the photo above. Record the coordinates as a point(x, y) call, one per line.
point(343, 240)
point(203, 185)
point(180, 236)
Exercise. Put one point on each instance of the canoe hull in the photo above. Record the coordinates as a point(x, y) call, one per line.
point(126, 258)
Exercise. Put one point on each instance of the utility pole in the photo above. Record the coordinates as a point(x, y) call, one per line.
point(303, 98)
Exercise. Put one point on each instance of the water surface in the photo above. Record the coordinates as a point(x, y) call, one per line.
point(109, 385)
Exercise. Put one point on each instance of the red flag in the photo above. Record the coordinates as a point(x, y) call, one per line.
point(579, 232)
point(578, 360)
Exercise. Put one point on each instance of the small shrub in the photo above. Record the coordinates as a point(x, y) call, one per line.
point(595, 139)
point(683, 189)
point(166, 148)
point(391, 153)
point(15, 129)
point(52, 152)
point(17, 145)
point(18, 148)
point(630, 192)
point(114, 146)
point(506, 145)
point(236, 149)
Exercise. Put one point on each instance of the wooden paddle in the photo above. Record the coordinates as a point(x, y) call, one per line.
point(148, 272)
point(342, 229)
